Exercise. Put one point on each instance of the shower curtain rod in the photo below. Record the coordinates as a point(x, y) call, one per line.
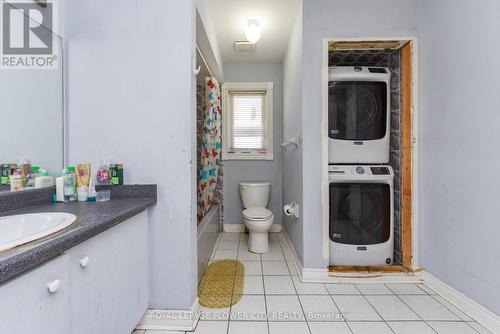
point(204, 61)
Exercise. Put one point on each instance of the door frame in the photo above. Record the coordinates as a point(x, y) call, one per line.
point(410, 148)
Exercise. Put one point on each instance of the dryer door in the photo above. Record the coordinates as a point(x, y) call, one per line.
point(360, 213)
point(357, 110)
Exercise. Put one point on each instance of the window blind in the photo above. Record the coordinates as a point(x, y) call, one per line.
point(248, 128)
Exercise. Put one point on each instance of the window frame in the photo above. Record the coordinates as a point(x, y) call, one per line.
point(226, 114)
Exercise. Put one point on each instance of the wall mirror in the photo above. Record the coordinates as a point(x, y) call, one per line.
point(31, 98)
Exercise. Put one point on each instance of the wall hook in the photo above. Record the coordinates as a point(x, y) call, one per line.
point(292, 141)
point(196, 70)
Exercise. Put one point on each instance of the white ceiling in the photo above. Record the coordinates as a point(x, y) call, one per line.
point(276, 18)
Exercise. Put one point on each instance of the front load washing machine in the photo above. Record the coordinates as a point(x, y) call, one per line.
point(361, 215)
point(358, 115)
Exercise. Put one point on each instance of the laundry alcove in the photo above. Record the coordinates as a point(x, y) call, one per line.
point(398, 56)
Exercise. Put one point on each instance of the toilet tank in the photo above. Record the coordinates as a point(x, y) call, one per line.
point(255, 194)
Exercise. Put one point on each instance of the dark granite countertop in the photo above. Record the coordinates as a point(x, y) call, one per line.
point(93, 218)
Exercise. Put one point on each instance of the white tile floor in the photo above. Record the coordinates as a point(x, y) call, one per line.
point(275, 301)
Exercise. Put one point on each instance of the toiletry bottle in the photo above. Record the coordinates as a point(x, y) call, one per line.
point(25, 165)
point(16, 180)
point(60, 189)
point(69, 185)
point(35, 172)
point(116, 174)
point(6, 171)
point(72, 172)
point(103, 173)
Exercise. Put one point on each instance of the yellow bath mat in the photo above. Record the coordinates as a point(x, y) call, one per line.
point(222, 284)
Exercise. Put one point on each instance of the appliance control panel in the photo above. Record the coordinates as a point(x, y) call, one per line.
point(358, 170)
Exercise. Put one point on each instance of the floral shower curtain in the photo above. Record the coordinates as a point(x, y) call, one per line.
point(211, 144)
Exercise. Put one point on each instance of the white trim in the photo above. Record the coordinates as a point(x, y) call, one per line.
point(276, 228)
point(415, 139)
point(234, 228)
point(473, 309)
point(171, 320)
point(240, 228)
point(293, 253)
point(305, 274)
point(312, 275)
point(325, 183)
point(248, 86)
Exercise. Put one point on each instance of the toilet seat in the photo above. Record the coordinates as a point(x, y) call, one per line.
point(257, 214)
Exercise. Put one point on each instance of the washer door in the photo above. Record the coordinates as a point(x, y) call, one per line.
point(360, 213)
point(357, 110)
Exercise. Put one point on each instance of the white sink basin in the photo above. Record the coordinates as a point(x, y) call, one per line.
point(20, 229)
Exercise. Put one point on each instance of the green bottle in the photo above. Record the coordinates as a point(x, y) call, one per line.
point(72, 173)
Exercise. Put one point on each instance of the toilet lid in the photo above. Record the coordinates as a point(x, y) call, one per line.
point(257, 213)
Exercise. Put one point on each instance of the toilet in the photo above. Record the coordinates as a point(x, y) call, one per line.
point(258, 219)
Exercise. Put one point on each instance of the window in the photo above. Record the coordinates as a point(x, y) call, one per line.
point(247, 119)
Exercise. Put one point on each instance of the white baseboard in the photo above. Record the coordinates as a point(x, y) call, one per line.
point(240, 228)
point(171, 320)
point(291, 251)
point(473, 309)
point(306, 274)
point(234, 228)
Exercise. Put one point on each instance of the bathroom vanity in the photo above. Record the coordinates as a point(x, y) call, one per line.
point(92, 277)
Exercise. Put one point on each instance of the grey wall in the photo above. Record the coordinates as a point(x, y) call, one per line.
point(336, 19)
point(236, 171)
point(292, 127)
point(131, 96)
point(459, 116)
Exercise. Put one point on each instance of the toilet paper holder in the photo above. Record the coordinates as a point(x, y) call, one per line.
point(292, 209)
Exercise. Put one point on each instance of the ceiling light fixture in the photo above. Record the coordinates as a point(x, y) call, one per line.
point(253, 31)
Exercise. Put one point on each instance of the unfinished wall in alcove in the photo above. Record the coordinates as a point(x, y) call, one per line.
point(391, 59)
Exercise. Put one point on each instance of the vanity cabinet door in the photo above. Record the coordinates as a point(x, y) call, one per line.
point(27, 305)
point(109, 279)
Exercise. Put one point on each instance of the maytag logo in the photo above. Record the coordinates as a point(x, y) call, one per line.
point(27, 38)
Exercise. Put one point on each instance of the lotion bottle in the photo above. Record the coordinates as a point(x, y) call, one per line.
point(60, 189)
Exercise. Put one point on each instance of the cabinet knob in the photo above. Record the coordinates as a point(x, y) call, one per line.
point(54, 286)
point(84, 261)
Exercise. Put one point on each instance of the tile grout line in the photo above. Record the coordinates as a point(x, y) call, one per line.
point(445, 306)
point(381, 317)
point(234, 283)
point(265, 296)
point(338, 308)
point(418, 315)
point(296, 293)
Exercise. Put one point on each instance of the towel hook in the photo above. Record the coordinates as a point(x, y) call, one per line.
point(196, 70)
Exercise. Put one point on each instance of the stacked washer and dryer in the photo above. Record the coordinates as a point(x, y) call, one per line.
point(361, 194)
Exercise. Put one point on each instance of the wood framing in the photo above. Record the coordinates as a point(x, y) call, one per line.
point(364, 269)
point(406, 154)
point(365, 45)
